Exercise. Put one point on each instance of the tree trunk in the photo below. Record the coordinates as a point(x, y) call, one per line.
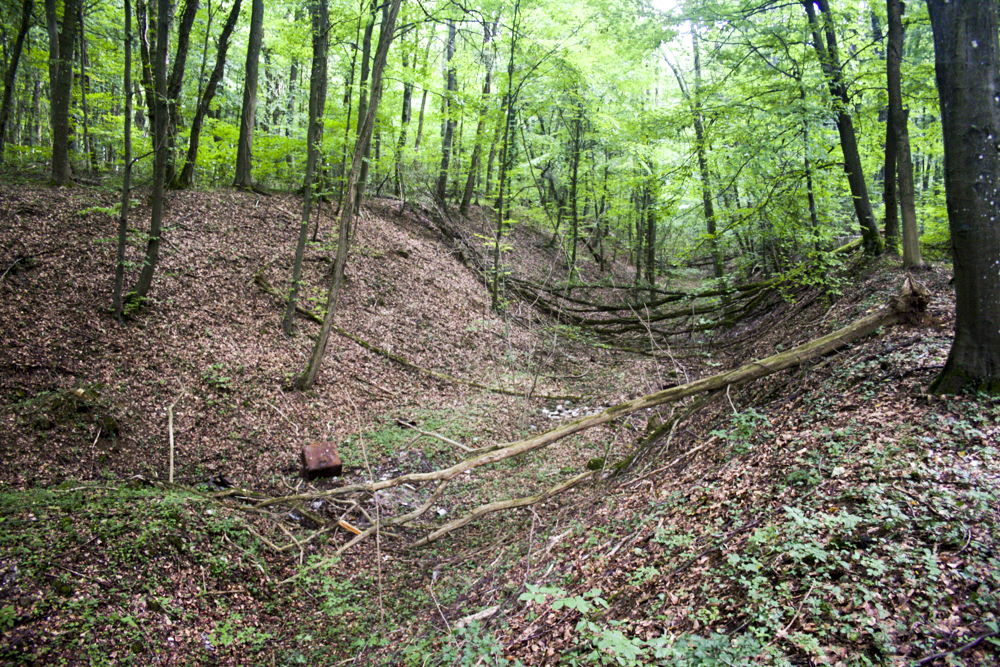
point(62, 94)
point(967, 65)
point(574, 180)
point(88, 146)
point(176, 81)
point(830, 62)
point(449, 103)
point(904, 164)
point(308, 377)
point(404, 124)
point(477, 148)
point(186, 177)
point(894, 118)
point(317, 102)
point(11, 74)
point(116, 298)
point(244, 149)
point(160, 120)
point(366, 59)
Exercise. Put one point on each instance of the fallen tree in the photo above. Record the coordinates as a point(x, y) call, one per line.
point(909, 306)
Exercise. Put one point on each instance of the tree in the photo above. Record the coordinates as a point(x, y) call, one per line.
point(829, 59)
point(314, 139)
point(967, 67)
point(367, 125)
point(9, 77)
point(898, 130)
point(244, 150)
point(185, 178)
point(61, 64)
point(116, 298)
point(449, 109)
point(161, 150)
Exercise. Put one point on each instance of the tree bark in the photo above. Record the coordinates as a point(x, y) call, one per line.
point(116, 298)
point(830, 62)
point(244, 150)
point(308, 377)
point(477, 148)
point(904, 164)
point(890, 191)
point(967, 66)
point(176, 80)
point(449, 103)
point(160, 120)
point(186, 177)
point(317, 101)
point(62, 93)
point(11, 75)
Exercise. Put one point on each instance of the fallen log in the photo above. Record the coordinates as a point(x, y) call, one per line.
point(909, 306)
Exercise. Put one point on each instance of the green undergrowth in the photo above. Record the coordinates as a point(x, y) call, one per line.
point(877, 547)
point(105, 574)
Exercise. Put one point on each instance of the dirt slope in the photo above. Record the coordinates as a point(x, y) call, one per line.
point(830, 515)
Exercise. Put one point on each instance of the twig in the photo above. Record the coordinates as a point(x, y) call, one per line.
point(447, 625)
point(432, 434)
point(974, 643)
point(170, 428)
point(784, 631)
point(294, 425)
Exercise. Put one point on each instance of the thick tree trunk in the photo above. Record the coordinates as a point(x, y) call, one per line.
point(366, 62)
point(186, 177)
point(62, 93)
point(449, 125)
point(830, 61)
point(308, 377)
point(967, 63)
point(160, 120)
point(404, 123)
point(116, 297)
point(11, 74)
point(244, 149)
point(317, 102)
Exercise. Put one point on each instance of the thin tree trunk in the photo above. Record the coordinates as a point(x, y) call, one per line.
point(88, 147)
point(449, 130)
point(894, 118)
point(317, 101)
point(308, 378)
point(477, 148)
point(366, 59)
point(11, 74)
point(160, 120)
point(898, 121)
point(830, 62)
point(244, 149)
point(186, 177)
point(176, 80)
point(116, 298)
point(404, 123)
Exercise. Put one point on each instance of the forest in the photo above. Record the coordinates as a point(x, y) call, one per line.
point(641, 333)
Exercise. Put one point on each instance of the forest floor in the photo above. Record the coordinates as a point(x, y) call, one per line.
point(832, 514)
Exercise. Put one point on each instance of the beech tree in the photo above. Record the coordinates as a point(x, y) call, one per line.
point(967, 67)
point(244, 166)
point(9, 76)
point(61, 66)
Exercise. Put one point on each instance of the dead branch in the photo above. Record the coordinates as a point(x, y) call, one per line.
point(907, 306)
point(489, 508)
